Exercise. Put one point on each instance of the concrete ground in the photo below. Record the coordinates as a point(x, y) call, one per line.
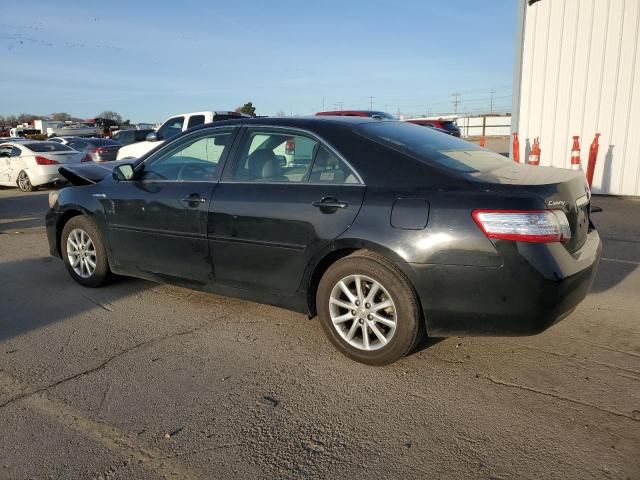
point(146, 381)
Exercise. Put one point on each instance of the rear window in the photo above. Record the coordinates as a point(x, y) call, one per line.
point(102, 141)
point(433, 148)
point(41, 147)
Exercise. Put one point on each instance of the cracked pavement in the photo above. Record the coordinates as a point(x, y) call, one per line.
point(146, 381)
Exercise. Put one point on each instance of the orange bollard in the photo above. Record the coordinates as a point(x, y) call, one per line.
point(593, 156)
point(482, 141)
point(534, 156)
point(516, 148)
point(575, 153)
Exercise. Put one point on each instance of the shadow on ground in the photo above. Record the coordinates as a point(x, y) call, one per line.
point(38, 291)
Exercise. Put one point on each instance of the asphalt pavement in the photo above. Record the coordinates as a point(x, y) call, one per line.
point(144, 381)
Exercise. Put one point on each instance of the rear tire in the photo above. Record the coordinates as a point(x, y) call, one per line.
point(377, 322)
point(24, 182)
point(84, 253)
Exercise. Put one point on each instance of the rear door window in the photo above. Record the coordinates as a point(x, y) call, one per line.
point(329, 168)
point(267, 156)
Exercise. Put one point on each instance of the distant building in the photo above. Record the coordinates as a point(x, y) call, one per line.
point(577, 72)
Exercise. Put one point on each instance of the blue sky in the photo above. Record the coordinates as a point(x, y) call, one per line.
point(150, 59)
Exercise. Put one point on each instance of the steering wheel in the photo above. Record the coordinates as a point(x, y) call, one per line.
point(192, 171)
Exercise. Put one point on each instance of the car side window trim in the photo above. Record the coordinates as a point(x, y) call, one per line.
point(187, 138)
point(233, 158)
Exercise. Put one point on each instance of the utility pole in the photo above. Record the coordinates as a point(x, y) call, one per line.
point(339, 105)
point(491, 108)
point(371, 99)
point(398, 116)
point(323, 103)
point(456, 102)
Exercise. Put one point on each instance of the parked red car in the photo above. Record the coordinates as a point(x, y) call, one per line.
point(359, 113)
point(448, 126)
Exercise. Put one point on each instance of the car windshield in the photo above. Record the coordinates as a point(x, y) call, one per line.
point(47, 147)
point(431, 147)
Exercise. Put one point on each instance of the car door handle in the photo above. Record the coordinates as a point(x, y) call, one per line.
point(330, 202)
point(194, 200)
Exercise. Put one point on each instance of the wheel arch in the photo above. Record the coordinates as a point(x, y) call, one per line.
point(342, 248)
point(62, 221)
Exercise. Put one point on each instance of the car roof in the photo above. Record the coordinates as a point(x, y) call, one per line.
point(299, 122)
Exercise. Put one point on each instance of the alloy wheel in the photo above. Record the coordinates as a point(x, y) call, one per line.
point(362, 312)
point(81, 253)
point(23, 182)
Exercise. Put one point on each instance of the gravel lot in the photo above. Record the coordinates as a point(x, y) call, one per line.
point(139, 380)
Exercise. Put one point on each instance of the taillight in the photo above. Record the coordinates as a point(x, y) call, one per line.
point(541, 226)
point(45, 161)
point(290, 146)
point(86, 158)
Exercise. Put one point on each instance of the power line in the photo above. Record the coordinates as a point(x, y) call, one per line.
point(456, 102)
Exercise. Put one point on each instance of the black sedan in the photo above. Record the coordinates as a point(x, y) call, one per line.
point(384, 229)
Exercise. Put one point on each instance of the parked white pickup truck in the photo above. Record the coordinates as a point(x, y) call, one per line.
point(172, 127)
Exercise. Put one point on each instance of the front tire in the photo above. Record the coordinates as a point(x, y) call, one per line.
point(84, 253)
point(368, 309)
point(24, 182)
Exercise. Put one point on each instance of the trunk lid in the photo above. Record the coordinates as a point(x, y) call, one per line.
point(558, 188)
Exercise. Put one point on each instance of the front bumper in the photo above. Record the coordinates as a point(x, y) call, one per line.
point(536, 286)
point(51, 222)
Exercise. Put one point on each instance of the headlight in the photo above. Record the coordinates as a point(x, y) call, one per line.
point(53, 197)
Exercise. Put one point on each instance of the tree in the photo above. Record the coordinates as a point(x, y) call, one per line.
point(281, 113)
point(111, 116)
point(26, 117)
point(247, 108)
point(60, 116)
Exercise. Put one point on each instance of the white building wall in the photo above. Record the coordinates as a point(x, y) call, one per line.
point(580, 74)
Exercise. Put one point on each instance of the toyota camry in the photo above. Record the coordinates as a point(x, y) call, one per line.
point(385, 230)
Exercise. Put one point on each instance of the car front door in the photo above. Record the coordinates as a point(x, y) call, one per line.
point(275, 208)
point(157, 222)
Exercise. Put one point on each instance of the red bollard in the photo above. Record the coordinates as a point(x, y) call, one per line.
point(593, 156)
point(482, 141)
point(575, 153)
point(516, 148)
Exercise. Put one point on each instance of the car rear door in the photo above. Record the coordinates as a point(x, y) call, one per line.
point(272, 213)
point(157, 223)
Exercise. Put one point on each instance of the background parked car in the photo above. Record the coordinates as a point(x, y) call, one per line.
point(448, 126)
point(99, 149)
point(358, 113)
point(173, 127)
point(127, 137)
point(32, 163)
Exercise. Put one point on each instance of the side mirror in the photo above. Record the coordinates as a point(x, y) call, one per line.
point(123, 172)
point(153, 137)
point(282, 160)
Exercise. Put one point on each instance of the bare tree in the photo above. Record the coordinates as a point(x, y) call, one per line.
point(111, 115)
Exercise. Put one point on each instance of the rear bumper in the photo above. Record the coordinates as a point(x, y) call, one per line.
point(537, 286)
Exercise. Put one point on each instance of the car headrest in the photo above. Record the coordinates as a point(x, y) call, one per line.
point(259, 160)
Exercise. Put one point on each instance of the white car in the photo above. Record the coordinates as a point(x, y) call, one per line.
point(32, 163)
point(172, 127)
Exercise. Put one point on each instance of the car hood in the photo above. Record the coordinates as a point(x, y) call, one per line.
point(89, 173)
